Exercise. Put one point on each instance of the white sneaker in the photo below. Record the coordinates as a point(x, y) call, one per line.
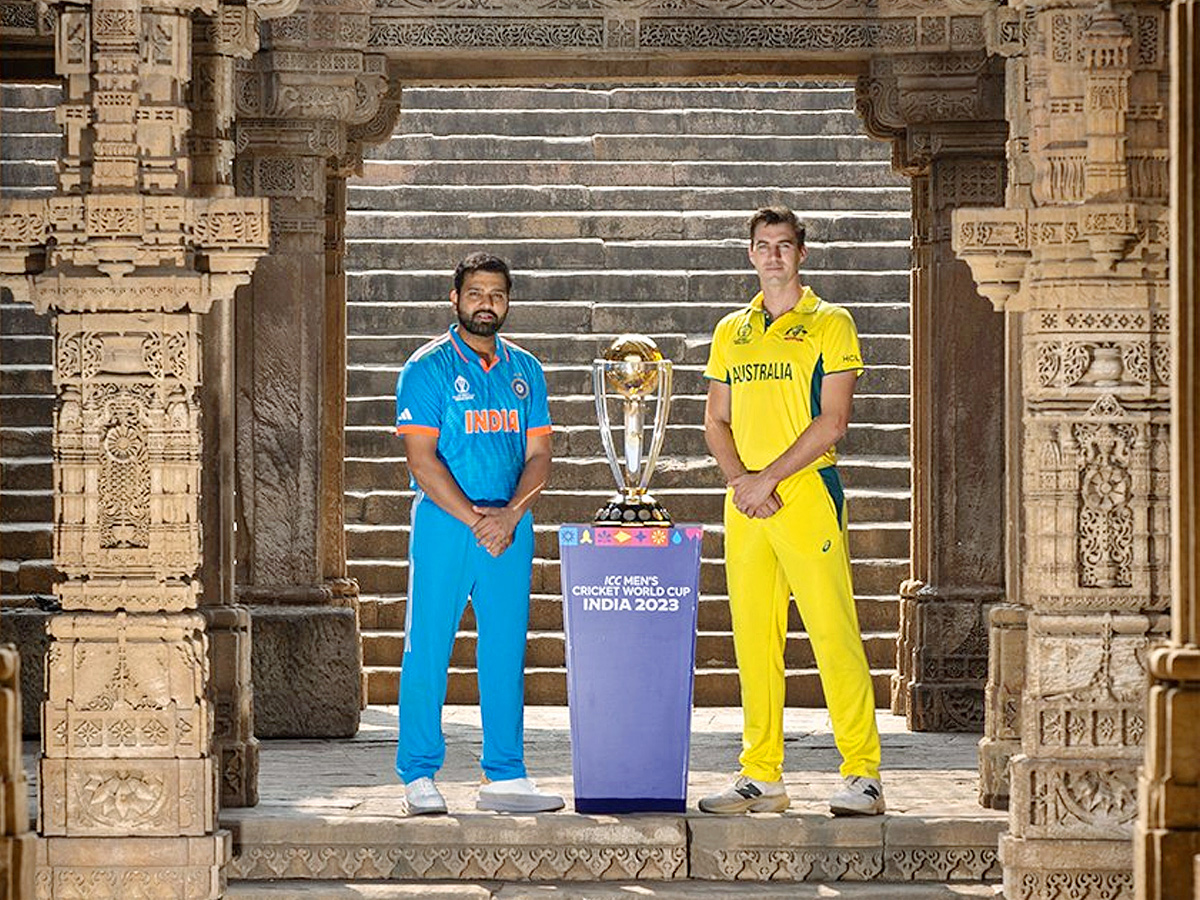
point(861, 796)
point(747, 795)
point(424, 799)
point(519, 795)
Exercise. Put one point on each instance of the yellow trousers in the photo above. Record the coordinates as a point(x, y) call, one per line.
point(802, 549)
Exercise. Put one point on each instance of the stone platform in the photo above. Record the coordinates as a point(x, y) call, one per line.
point(332, 823)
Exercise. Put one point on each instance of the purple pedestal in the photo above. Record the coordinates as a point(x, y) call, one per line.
point(630, 598)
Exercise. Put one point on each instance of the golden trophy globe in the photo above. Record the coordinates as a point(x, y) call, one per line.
point(634, 376)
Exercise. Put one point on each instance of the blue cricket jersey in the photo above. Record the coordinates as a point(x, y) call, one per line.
point(482, 414)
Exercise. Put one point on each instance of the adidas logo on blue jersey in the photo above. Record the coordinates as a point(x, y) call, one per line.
point(405, 415)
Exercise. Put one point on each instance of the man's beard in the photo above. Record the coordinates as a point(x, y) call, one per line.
point(486, 328)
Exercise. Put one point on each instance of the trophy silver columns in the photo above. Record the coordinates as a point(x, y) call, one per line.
point(633, 374)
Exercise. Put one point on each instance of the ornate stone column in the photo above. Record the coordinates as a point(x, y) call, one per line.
point(217, 42)
point(298, 101)
point(1167, 842)
point(1080, 252)
point(127, 258)
point(944, 114)
point(16, 840)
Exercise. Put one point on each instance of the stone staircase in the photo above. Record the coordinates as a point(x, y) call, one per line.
point(29, 148)
point(622, 209)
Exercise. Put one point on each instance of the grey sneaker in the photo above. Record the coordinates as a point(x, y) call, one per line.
point(747, 795)
point(424, 799)
point(518, 795)
point(861, 796)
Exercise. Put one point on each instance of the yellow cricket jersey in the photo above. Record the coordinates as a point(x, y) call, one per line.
point(775, 373)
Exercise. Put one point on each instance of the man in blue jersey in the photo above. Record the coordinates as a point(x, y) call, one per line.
point(473, 411)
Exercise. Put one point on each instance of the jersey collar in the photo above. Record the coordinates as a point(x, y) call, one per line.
point(468, 354)
point(806, 305)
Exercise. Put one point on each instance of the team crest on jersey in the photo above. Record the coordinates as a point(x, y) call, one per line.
point(744, 333)
point(520, 387)
point(795, 333)
point(462, 389)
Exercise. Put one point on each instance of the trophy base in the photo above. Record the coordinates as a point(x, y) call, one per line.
point(633, 512)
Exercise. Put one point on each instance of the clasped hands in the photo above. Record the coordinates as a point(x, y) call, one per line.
point(494, 528)
point(754, 495)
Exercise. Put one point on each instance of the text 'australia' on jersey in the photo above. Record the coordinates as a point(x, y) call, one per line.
point(775, 373)
point(482, 416)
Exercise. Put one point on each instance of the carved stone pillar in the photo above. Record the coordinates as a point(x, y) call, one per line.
point(16, 840)
point(1167, 842)
point(944, 114)
point(127, 258)
point(1080, 252)
point(218, 41)
point(297, 102)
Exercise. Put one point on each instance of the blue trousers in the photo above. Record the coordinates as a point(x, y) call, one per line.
point(445, 568)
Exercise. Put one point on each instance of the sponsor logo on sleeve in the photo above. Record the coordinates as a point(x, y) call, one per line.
point(405, 415)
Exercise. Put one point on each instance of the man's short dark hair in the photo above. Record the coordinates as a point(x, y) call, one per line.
point(481, 262)
point(777, 215)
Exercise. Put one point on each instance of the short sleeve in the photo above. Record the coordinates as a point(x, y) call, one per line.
point(538, 422)
point(840, 348)
point(418, 408)
point(718, 366)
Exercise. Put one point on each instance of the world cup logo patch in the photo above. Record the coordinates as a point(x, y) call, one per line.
point(520, 387)
point(462, 389)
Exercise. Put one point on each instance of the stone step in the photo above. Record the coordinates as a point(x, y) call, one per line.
point(26, 540)
point(25, 578)
point(390, 474)
point(28, 122)
point(651, 285)
point(747, 98)
point(432, 317)
point(547, 650)
point(29, 177)
point(26, 379)
point(875, 614)
point(862, 439)
point(629, 147)
point(834, 123)
point(580, 409)
point(19, 318)
point(377, 381)
point(31, 148)
point(613, 890)
point(29, 474)
point(21, 95)
point(487, 175)
point(592, 253)
point(869, 538)
point(468, 197)
point(32, 349)
point(610, 225)
point(25, 506)
point(657, 849)
point(28, 410)
point(549, 348)
point(548, 687)
point(390, 575)
point(25, 442)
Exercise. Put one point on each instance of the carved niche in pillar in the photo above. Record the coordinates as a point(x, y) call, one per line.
point(306, 104)
point(1080, 252)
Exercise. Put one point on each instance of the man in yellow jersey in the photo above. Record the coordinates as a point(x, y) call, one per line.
point(781, 378)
